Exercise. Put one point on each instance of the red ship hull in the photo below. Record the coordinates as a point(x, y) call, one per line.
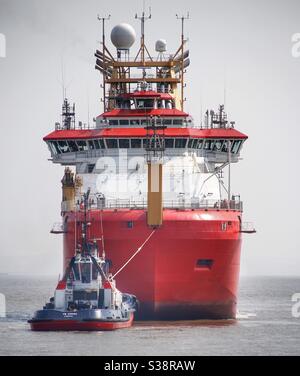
point(189, 269)
point(74, 325)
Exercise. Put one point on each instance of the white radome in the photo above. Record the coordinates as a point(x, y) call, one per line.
point(123, 36)
point(161, 45)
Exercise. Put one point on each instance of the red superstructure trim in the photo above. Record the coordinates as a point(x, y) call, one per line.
point(141, 132)
point(61, 285)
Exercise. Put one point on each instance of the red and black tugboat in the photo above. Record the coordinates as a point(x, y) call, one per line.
point(86, 298)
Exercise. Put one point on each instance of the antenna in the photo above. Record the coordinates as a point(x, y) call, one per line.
point(64, 89)
point(143, 18)
point(225, 88)
point(63, 84)
point(182, 19)
point(201, 111)
point(88, 109)
point(103, 19)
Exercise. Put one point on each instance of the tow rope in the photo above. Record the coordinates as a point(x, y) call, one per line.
point(133, 256)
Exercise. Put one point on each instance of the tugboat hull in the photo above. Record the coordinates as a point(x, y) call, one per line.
point(79, 324)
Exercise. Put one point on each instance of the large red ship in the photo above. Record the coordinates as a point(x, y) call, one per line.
point(174, 244)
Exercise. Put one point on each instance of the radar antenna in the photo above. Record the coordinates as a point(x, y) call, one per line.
point(143, 47)
point(103, 19)
point(183, 41)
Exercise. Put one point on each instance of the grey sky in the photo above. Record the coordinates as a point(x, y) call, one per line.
point(246, 44)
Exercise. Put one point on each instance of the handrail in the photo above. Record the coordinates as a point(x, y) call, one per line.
point(98, 202)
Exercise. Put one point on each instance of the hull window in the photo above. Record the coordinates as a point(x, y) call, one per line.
point(204, 264)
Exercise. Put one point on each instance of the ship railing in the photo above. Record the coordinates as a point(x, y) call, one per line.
point(161, 57)
point(100, 202)
point(185, 124)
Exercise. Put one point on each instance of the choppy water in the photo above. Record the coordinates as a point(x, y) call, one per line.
point(265, 326)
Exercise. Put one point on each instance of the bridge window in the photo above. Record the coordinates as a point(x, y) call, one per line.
point(91, 145)
point(124, 122)
point(76, 272)
point(225, 147)
point(160, 104)
point(96, 143)
point(167, 122)
point(99, 144)
point(82, 146)
point(177, 122)
point(55, 147)
point(123, 103)
point(113, 122)
point(112, 143)
point(169, 142)
point(124, 143)
point(144, 122)
point(208, 145)
point(198, 144)
point(64, 147)
point(180, 142)
point(136, 143)
point(72, 146)
point(135, 122)
point(86, 272)
point(218, 145)
point(235, 147)
point(144, 103)
point(169, 104)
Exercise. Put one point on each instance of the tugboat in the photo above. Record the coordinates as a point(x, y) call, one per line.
point(86, 298)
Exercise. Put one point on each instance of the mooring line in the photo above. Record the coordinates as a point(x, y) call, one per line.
point(132, 257)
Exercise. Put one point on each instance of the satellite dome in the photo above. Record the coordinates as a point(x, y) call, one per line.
point(123, 36)
point(161, 45)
